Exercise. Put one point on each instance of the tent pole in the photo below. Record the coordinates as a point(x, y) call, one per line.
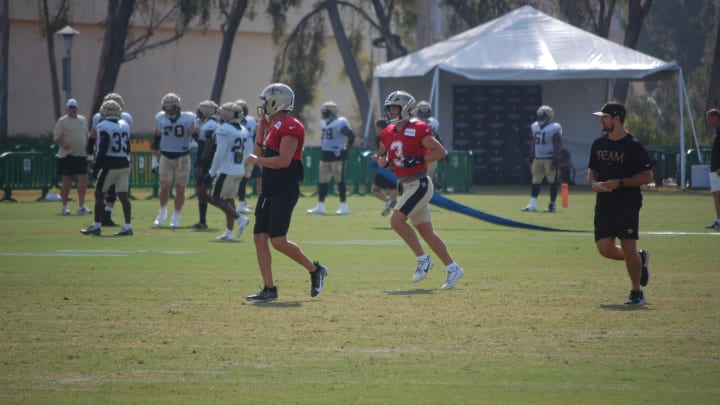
point(692, 123)
point(373, 103)
point(434, 96)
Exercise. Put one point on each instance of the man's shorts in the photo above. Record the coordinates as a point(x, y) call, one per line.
point(120, 178)
point(413, 199)
point(383, 182)
point(72, 165)
point(274, 212)
point(714, 181)
point(226, 186)
point(175, 169)
point(621, 223)
point(542, 168)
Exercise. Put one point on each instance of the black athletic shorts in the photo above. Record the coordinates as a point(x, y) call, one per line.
point(274, 212)
point(617, 222)
point(383, 182)
point(72, 165)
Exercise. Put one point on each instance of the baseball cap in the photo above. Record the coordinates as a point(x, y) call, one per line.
point(612, 108)
point(71, 103)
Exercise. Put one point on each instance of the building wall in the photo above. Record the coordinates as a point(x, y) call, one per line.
point(186, 67)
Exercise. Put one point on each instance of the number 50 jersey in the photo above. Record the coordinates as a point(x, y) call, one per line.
point(175, 135)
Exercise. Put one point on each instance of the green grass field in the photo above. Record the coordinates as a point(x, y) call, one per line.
point(160, 317)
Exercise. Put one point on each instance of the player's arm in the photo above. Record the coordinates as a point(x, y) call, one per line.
point(557, 147)
point(263, 126)
point(380, 157)
point(435, 149)
point(350, 135)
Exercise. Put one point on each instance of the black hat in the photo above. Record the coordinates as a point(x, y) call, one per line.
point(612, 108)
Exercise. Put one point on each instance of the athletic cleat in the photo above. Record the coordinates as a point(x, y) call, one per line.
point(160, 219)
point(226, 236)
point(107, 221)
point(388, 207)
point(242, 223)
point(65, 211)
point(83, 210)
point(175, 221)
point(550, 208)
point(243, 209)
point(452, 278)
point(529, 209)
point(317, 210)
point(200, 226)
point(317, 279)
point(645, 272)
point(423, 266)
point(124, 232)
point(636, 298)
point(714, 226)
point(266, 294)
point(342, 211)
point(91, 230)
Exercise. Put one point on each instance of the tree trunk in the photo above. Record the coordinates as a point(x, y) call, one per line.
point(4, 66)
point(231, 26)
point(393, 42)
point(50, 42)
point(713, 94)
point(350, 64)
point(636, 14)
point(113, 49)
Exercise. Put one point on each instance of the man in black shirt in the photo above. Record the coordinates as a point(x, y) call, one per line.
point(712, 116)
point(618, 166)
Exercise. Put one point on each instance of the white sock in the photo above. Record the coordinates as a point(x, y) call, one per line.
point(163, 209)
point(452, 266)
point(127, 226)
point(423, 258)
point(533, 202)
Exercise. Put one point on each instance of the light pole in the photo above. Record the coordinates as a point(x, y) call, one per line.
point(67, 33)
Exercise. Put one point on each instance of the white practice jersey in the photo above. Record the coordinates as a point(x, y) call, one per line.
point(231, 142)
point(332, 137)
point(543, 139)
point(207, 128)
point(113, 139)
point(123, 116)
point(175, 136)
point(250, 123)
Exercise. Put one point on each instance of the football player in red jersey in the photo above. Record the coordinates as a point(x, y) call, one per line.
point(407, 145)
point(278, 150)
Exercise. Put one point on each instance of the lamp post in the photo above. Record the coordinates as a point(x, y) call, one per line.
point(67, 34)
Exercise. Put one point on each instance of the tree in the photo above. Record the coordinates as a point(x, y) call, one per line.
point(637, 10)
point(228, 28)
point(51, 25)
point(4, 66)
point(713, 94)
point(118, 48)
point(590, 15)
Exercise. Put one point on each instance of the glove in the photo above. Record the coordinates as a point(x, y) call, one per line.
point(155, 165)
point(413, 161)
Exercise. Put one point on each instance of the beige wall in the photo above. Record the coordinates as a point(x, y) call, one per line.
point(186, 68)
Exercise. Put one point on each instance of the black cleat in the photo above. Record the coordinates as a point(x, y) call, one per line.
point(124, 232)
point(267, 294)
point(645, 271)
point(91, 230)
point(317, 279)
point(636, 298)
point(107, 220)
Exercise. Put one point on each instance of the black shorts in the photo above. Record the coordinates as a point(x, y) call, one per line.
point(72, 165)
point(619, 222)
point(383, 182)
point(274, 212)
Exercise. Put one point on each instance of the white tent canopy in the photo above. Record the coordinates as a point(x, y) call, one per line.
point(575, 68)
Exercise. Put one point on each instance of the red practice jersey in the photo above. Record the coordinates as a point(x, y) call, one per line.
point(406, 144)
point(288, 126)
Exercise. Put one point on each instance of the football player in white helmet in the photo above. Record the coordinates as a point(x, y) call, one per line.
point(278, 149)
point(207, 124)
point(110, 196)
point(337, 139)
point(174, 130)
point(545, 153)
point(112, 165)
point(407, 144)
point(251, 171)
point(228, 167)
point(425, 113)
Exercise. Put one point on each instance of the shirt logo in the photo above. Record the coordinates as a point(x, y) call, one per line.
point(409, 132)
point(291, 127)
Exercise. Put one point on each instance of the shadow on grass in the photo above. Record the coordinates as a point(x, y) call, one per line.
point(417, 291)
point(275, 304)
point(623, 307)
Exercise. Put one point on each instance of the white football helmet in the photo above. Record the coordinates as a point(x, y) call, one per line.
point(243, 104)
point(423, 111)
point(115, 97)
point(110, 109)
point(403, 99)
point(329, 111)
point(276, 97)
point(544, 115)
point(206, 109)
point(230, 112)
point(171, 105)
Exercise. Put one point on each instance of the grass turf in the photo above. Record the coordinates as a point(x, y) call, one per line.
point(160, 317)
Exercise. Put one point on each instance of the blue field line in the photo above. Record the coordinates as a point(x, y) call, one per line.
point(451, 205)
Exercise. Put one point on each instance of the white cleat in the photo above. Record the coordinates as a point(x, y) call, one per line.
point(83, 210)
point(452, 278)
point(317, 210)
point(226, 236)
point(175, 221)
point(160, 219)
point(422, 269)
point(529, 208)
point(342, 211)
point(242, 223)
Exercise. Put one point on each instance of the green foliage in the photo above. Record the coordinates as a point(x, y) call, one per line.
point(160, 317)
